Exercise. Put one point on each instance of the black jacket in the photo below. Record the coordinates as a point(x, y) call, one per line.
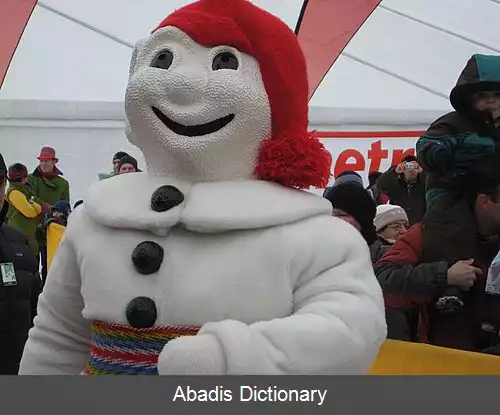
point(410, 196)
point(18, 303)
point(459, 139)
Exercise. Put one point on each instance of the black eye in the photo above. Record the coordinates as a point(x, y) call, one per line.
point(163, 60)
point(225, 60)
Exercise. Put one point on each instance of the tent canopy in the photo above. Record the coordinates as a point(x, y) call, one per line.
point(406, 56)
point(66, 82)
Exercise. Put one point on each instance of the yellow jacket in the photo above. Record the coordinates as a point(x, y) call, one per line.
point(20, 203)
point(22, 215)
point(54, 236)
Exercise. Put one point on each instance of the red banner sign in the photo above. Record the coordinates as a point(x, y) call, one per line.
point(367, 151)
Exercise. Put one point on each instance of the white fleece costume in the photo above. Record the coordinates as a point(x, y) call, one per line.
point(276, 284)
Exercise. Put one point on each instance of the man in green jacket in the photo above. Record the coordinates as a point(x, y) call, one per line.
point(48, 187)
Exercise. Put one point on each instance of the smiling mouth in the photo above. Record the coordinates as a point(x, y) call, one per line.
point(193, 130)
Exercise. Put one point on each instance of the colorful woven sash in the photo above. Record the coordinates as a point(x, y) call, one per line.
point(124, 350)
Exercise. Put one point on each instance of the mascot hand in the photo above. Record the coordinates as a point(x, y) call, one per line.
point(193, 355)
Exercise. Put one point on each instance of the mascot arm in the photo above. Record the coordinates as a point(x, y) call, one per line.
point(337, 325)
point(59, 342)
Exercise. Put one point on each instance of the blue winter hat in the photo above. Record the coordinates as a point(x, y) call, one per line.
point(348, 177)
point(62, 206)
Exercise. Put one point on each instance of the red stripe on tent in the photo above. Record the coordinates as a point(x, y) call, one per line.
point(14, 16)
point(368, 134)
point(326, 28)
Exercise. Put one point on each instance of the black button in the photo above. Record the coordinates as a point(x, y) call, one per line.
point(141, 313)
point(147, 257)
point(165, 198)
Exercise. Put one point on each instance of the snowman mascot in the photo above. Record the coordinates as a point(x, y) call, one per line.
point(215, 262)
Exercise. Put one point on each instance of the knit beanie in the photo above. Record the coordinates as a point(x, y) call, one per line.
point(387, 214)
point(129, 160)
point(345, 177)
point(354, 200)
point(348, 176)
point(292, 156)
point(119, 155)
point(62, 206)
point(17, 172)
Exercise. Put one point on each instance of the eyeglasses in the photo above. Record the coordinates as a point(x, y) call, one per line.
point(398, 226)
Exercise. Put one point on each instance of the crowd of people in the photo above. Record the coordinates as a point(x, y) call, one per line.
point(431, 222)
point(29, 205)
point(435, 232)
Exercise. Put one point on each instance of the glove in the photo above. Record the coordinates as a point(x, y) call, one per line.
point(193, 355)
point(472, 147)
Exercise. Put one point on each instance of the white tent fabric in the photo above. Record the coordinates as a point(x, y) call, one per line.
point(66, 83)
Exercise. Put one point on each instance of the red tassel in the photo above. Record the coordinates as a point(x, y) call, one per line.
point(292, 162)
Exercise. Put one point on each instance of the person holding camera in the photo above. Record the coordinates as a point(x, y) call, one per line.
point(404, 184)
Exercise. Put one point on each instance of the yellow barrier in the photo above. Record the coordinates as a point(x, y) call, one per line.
point(402, 358)
point(54, 235)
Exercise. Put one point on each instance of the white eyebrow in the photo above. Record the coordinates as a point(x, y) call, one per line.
point(166, 33)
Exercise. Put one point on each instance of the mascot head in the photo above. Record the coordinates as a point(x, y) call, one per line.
point(219, 91)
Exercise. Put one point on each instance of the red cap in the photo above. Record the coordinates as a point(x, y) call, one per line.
point(47, 153)
point(291, 156)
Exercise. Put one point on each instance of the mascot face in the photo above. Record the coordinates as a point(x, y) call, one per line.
point(196, 112)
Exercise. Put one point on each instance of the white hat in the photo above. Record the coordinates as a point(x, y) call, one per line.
point(387, 214)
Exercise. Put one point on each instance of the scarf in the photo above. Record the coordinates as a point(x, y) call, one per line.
point(52, 175)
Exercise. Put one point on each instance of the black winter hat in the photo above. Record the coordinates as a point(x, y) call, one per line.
point(129, 160)
point(348, 176)
point(357, 202)
point(120, 155)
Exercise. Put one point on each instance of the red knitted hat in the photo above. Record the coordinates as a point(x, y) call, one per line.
point(292, 156)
